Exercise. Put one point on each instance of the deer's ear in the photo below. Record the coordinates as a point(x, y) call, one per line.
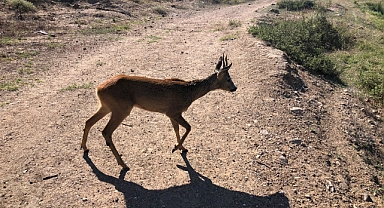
point(219, 63)
point(226, 68)
point(223, 70)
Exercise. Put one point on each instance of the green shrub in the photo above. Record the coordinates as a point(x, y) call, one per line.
point(77, 86)
point(160, 10)
point(230, 2)
point(305, 41)
point(21, 7)
point(296, 5)
point(364, 66)
point(234, 23)
point(373, 82)
point(376, 7)
point(100, 30)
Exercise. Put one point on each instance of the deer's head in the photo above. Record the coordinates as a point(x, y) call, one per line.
point(224, 81)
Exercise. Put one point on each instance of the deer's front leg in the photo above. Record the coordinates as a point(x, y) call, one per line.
point(176, 121)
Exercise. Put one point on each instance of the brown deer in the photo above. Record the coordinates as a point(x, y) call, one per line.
point(168, 96)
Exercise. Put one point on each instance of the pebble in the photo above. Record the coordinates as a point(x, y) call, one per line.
point(329, 186)
point(367, 198)
point(265, 133)
point(283, 159)
point(296, 141)
point(296, 110)
point(372, 123)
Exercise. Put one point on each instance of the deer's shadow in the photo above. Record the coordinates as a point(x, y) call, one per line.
point(200, 192)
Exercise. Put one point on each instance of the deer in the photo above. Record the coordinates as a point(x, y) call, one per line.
point(119, 94)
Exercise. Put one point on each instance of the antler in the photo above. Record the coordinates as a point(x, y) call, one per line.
point(223, 61)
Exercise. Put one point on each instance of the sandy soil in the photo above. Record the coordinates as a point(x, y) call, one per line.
point(283, 139)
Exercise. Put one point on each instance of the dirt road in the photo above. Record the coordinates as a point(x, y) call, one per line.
point(283, 139)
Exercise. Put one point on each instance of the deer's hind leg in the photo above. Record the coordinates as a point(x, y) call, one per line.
point(100, 113)
point(117, 117)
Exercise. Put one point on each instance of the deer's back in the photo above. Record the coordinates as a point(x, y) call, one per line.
point(150, 94)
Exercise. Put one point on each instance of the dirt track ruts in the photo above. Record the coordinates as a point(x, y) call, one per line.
point(246, 149)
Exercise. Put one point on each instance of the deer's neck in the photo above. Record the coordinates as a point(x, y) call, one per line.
point(203, 86)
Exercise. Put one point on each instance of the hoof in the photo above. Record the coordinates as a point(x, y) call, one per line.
point(174, 149)
point(85, 149)
point(177, 147)
point(85, 154)
point(125, 167)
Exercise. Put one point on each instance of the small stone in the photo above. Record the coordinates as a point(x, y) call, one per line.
point(84, 199)
point(332, 189)
point(283, 159)
point(296, 110)
point(42, 32)
point(329, 186)
point(296, 141)
point(265, 132)
point(276, 11)
point(367, 198)
point(372, 123)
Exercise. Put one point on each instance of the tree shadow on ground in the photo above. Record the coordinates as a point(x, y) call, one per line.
point(200, 192)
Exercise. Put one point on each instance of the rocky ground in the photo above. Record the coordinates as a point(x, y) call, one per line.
point(285, 138)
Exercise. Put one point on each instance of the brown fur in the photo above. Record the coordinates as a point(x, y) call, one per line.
point(171, 97)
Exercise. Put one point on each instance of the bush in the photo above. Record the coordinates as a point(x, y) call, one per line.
point(376, 7)
point(21, 7)
point(373, 82)
point(234, 23)
point(230, 2)
point(305, 41)
point(364, 66)
point(296, 5)
point(160, 10)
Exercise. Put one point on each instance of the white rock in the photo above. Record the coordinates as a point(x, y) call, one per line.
point(296, 110)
